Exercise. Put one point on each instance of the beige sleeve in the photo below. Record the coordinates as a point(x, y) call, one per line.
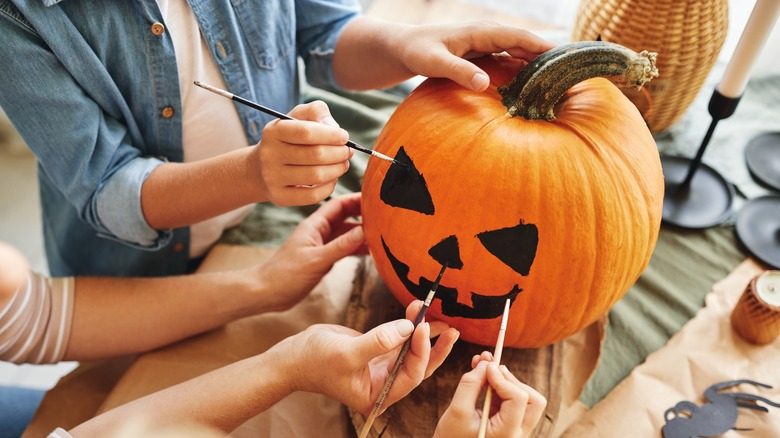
point(35, 325)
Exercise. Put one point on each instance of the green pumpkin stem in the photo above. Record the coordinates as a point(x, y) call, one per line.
point(533, 93)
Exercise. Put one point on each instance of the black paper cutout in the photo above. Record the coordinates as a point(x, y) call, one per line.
point(405, 187)
point(482, 306)
point(716, 417)
point(515, 246)
point(447, 251)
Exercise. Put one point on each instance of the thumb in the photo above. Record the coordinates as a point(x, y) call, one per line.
point(344, 245)
point(383, 338)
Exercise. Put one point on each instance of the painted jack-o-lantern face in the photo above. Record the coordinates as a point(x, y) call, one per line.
point(515, 246)
point(560, 217)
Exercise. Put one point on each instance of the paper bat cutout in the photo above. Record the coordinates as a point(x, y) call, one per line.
point(716, 417)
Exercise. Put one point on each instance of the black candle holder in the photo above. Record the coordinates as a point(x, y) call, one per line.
point(696, 195)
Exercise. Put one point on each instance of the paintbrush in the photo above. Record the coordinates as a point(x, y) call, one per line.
point(401, 356)
point(497, 360)
point(277, 114)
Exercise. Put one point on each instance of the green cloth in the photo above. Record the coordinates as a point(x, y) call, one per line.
point(685, 263)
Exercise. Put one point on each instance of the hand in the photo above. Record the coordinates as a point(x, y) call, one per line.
point(301, 160)
point(515, 409)
point(319, 241)
point(352, 368)
point(442, 50)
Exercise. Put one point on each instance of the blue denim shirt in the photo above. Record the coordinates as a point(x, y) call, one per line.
point(90, 87)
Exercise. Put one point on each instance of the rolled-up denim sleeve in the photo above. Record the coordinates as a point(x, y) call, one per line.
point(320, 24)
point(118, 205)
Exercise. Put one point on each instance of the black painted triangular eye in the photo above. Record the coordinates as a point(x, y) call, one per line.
point(447, 251)
point(405, 187)
point(515, 246)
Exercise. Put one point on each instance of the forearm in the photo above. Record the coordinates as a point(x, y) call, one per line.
point(367, 55)
point(181, 194)
point(223, 399)
point(120, 316)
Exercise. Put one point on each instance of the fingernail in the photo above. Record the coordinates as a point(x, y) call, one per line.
point(479, 81)
point(482, 364)
point(330, 121)
point(344, 136)
point(457, 335)
point(404, 327)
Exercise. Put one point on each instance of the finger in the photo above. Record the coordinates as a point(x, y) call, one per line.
point(382, 339)
point(315, 111)
point(413, 369)
point(413, 309)
point(303, 195)
point(536, 401)
point(441, 350)
point(328, 220)
point(303, 132)
point(514, 400)
point(485, 355)
point(342, 246)
point(438, 327)
point(468, 390)
point(316, 155)
point(314, 175)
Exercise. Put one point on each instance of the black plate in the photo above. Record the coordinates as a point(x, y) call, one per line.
point(763, 159)
point(758, 228)
point(706, 202)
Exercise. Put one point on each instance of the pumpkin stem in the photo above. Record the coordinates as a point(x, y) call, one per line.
point(534, 92)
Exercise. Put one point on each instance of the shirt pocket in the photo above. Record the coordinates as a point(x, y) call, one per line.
point(268, 27)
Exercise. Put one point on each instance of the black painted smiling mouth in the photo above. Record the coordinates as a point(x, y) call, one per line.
point(482, 306)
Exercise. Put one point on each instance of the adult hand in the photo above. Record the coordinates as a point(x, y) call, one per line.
point(515, 409)
point(443, 50)
point(352, 368)
point(301, 160)
point(326, 236)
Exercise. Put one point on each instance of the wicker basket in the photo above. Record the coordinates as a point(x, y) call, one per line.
point(687, 34)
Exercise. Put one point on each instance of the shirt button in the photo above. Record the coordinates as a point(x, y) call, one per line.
point(167, 112)
point(179, 247)
point(158, 29)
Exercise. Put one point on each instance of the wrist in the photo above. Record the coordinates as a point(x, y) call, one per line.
point(253, 174)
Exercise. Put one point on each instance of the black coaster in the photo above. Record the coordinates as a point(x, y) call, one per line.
point(758, 228)
point(763, 159)
point(704, 203)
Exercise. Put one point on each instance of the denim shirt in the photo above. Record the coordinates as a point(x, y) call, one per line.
point(92, 87)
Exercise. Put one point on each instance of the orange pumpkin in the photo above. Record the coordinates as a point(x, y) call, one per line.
point(560, 216)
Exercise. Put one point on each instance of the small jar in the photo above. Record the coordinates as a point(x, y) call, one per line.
point(756, 317)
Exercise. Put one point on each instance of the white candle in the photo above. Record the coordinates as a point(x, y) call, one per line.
point(753, 38)
point(768, 287)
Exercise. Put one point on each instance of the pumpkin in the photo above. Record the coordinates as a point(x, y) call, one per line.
point(546, 190)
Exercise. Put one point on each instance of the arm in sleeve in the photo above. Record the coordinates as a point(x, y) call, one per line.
point(319, 26)
point(36, 323)
point(83, 149)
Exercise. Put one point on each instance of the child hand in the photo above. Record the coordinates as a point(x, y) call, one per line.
point(443, 50)
point(301, 160)
point(515, 410)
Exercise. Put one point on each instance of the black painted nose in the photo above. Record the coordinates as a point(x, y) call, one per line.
point(447, 251)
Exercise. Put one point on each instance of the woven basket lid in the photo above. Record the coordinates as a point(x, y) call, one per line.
point(686, 34)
